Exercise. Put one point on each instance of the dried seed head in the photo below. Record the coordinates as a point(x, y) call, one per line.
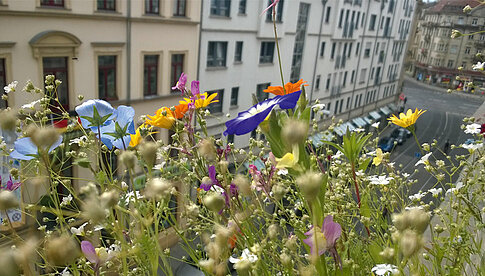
point(109, 198)
point(243, 267)
point(273, 231)
point(44, 137)
point(410, 243)
point(7, 263)
point(310, 184)
point(419, 219)
point(158, 188)
point(8, 200)
point(149, 153)
point(8, 119)
point(94, 210)
point(207, 150)
point(295, 131)
point(61, 251)
point(401, 221)
point(243, 184)
point(128, 159)
point(214, 202)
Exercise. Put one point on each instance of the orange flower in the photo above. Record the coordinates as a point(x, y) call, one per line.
point(180, 110)
point(289, 87)
point(163, 118)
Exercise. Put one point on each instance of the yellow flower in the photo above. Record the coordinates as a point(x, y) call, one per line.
point(163, 118)
point(378, 159)
point(289, 160)
point(137, 138)
point(408, 119)
point(202, 100)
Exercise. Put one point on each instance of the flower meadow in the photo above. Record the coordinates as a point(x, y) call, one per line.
point(282, 206)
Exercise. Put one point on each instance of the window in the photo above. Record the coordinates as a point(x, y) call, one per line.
point(57, 66)
point(322, 49)
point(368, 45)
point(363, 74)
point(216, 107)
point(3, 80)
point(234, 96)
point(267, 52)
point(230, 138)
point(260, 95)
point(352, 77)
point(460, 20)
point(357, 48)
point(327, 85)
point(107, 77)
point(474, 21)
point(482, 37)
point(179, 7)
point(341, 18)
point(279, 12)
point(467, 50)
point(301, 26)
point(327, 17)
point(350, 50)
point(220, 7)
point(177, 67)
point(52, 3)
point(372, 23)
point(152, 7)
point(238, 51)
point(242, 7)
point(150, 75)
point(317, 83)
point(344, 82)
point(106, 5)
point(216, 56)
point(332, 54)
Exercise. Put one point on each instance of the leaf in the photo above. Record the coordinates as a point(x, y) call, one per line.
point(365, 164)
point(364, 205)
point(83, 162)
point(101, 177)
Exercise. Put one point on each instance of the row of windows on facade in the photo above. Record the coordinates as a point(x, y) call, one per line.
point(451, 19)
point(217, 53)
point(107, 75)
point(347, 49)
point(223, 8)
point(151, 6)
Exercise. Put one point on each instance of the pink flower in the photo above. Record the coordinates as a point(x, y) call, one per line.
point(323, 239)
point(194, 88)
point(273, 5)
point(181, 83)
point(11, 186)
point(89, 252)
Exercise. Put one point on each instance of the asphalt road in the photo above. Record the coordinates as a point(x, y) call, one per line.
point(441, 121)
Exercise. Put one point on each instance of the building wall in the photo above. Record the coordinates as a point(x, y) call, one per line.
point(252, 29)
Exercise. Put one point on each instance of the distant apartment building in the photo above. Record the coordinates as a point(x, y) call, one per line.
point(350, 52)
point(436, 56)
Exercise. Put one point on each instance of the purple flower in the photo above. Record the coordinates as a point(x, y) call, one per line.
point(181, 83)
point(250, 119)
point(25, 149)
point(273, 5)
point(194, 88)
point(89, 252)
point(323, 239)
point(11, 186)
point(213, 180)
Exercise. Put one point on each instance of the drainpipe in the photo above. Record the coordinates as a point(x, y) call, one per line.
point(128, 52)
point(324, 2)
point(200, 38)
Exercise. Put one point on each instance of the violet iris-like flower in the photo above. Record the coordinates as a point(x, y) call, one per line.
point(181, 83)
point(323, 239)
point(194, 88)
point(212, 175)
point(95, 114)
point(118, 132)
point(90, 253)
point(250, 119)
point(25, 149)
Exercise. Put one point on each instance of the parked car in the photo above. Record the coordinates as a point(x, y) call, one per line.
point(400, 135)
point(386, 143)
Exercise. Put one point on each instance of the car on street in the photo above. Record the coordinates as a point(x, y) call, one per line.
point(386, 143)
point(400, 135)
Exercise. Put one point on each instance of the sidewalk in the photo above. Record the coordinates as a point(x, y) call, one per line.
point(443, 90)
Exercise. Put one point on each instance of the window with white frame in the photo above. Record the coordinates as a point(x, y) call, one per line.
point(216, 54)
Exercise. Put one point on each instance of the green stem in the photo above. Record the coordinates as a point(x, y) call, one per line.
point(278, 50)
point(417, 142)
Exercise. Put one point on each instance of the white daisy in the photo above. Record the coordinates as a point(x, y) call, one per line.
point(30, 105)
point(379, 180)
point(246, 255)
point(385, 269)
point(458, 186)
point(423, 160)
point(472, 147)
point(282, 172)
point(79, 231)
point(479, 66)
point(77, 140)
point(417, 196)
point(66, 200)
point(11, 87)
point(376, 124)
point(435, 192)
point(473, 128)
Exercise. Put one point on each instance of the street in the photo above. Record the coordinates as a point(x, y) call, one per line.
point(441, 121)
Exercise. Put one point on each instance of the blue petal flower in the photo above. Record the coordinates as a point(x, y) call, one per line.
point(117, 133)
point(250, 119)
point(25, 149)
point(103, 108)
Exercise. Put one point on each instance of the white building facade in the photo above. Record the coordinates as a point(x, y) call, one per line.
point(350, 53)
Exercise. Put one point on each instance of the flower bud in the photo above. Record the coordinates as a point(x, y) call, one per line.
point(94, 210)
point(149, 153)
point(294, 131)
point(128, 159)
point(44, 137)
point(207, 150)
point(401, 221)
point(243, 184)
point(158, 188)
point(273, 230)
point(419, 219)
point(7, 200)
point(8, 119)
point(214, 202)
point(279, 191)
point(109, 198)
point(286, 260)
point(410, 243)
point(61, 251)
point(310, 184)
point(207, 265)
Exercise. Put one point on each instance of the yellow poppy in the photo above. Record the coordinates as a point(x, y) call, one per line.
point(378, 159)
point(163, 118)
point(408, 119)
point(202, 100)
point(137, 138)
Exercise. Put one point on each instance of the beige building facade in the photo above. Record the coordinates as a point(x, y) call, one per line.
point(436, 56)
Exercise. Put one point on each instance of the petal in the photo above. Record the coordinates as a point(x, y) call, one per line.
point(56, 144)
point(89, 252)
point(331, 230)
point(25, 146)
point(17, 155)
point(212, 173)
point(246, 122)
point(122, 143)
point(125, 116)
point(194, 88)
point(289, 101)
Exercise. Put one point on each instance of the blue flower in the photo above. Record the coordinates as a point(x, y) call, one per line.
point(95, 114)
point(250, 119)
point(117, 133)
point(25, 149)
